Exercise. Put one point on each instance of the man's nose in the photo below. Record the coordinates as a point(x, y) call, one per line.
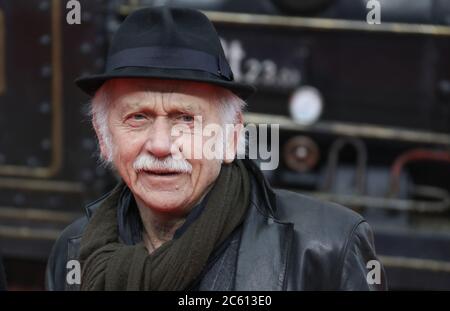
point(159, 142)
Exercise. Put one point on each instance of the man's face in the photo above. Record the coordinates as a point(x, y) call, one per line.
point(142, 115)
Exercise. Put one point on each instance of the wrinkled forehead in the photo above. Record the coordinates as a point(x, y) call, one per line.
point(126, 90)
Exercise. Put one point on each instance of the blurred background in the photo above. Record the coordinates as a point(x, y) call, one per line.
point(363, 110)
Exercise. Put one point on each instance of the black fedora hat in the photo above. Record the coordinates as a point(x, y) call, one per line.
point(167, 43)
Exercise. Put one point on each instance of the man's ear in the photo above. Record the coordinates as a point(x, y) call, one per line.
point(232, 140)
point(101, 141)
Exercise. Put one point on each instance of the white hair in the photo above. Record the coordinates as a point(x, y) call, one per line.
point(230, 106)
point(99, 114)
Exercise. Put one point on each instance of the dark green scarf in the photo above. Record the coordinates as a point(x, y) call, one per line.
point(110, 265)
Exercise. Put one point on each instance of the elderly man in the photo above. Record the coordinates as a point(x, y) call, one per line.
point(177, 221)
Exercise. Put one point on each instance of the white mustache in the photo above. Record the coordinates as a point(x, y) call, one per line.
point(147, 162)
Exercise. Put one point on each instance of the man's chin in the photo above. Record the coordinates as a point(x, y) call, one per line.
point(165, 207)
point(163, 201)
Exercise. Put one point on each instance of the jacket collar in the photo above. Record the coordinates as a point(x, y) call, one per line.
point(260, 267)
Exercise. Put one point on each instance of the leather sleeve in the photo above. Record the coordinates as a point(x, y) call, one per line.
point(361, 270)
point(53, 265)
point(55, 275)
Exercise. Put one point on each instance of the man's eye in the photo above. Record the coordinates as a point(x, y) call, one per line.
point(186, 118)
point(138, 116)
point(135, 120)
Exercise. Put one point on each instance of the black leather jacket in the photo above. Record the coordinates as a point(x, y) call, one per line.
point(288, 242)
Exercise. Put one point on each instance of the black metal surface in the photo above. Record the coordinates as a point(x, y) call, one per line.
point(47, 147)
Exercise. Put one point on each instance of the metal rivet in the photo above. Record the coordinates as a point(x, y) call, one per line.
point(44, 107)
point(19, 199)
point(44, 5)
point(44, 39)
point(46, 71)
point(46, 144)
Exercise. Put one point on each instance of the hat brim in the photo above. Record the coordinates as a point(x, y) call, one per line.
point(90, 84)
